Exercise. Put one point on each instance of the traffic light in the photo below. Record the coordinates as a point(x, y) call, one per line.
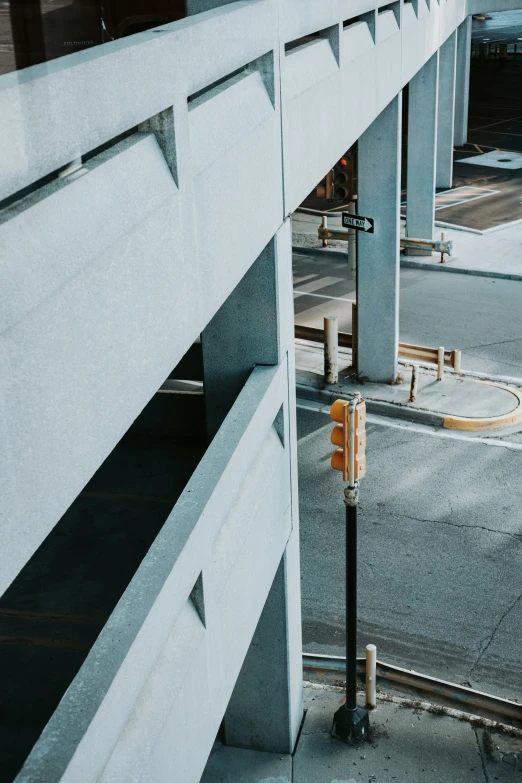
point(325, 188)
point(343, 178)
point(338, 183)
point(350, 435)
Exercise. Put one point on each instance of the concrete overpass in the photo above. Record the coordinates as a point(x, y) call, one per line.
point(198, 140)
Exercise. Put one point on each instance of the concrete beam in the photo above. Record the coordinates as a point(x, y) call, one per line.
point(379, 160)
point(422, 140)
point(462, 82)
point(446, 111)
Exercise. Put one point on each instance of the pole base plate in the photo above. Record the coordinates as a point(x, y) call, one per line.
point(350, 725)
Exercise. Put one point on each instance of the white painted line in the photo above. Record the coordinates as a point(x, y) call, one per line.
point(421, 429)
point(321, 296)
point(465, 200)
point(465, 187)
point(442, 224)
point(462, 200)
point(504, 225)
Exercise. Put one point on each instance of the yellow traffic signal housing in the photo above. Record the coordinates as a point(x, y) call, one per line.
point(350, 435)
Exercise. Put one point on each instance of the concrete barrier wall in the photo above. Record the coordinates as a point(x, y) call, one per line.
point(163, 228)
point(161, 673)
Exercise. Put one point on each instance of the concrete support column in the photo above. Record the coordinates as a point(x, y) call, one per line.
point(422, 141)
point(265, 710)
point(379, 166)
point(446, 111)
point(462, 82)
point(243, 333)
point(255, 326)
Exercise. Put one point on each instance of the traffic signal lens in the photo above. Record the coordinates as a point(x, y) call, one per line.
point(337, 411)
point(337, 461)
point(337, 435)
point(343, 162)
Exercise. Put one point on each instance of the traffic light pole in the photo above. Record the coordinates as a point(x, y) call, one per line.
point(351, 722)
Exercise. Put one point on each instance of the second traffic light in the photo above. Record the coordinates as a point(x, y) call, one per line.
point(350, 435)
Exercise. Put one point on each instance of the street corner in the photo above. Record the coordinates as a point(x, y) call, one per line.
point(405, 742)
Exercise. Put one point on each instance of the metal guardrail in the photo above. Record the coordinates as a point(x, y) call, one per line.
point(442, 246)
point(419, 353)
point(332, 670)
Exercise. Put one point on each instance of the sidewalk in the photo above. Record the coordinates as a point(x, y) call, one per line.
point(496, 253)
point(406, 743)
point(456, 402)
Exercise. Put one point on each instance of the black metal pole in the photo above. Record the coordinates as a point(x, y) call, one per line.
point(351, 722)
point(351, 607)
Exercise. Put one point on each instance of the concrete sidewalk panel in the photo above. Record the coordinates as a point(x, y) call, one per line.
point(233, 765)
point(502, 756)
point(407, 744)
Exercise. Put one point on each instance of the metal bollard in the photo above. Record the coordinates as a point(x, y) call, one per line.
point(414, 382)
point(457, 355)
point(324, 224)
point(440, 364)
point(371, 676)
point(331, 364)
point(442, 237)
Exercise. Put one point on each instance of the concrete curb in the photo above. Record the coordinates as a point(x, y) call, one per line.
point(458, 270)
point(393, 410)
point(313, 251)
point(491, 422)
point(422, 415)
point(483, 232)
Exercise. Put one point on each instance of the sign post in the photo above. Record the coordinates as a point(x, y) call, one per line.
point(350, 721)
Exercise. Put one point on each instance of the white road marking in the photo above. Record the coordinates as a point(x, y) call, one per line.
point(421, 429)
point(313, 285)
point(321, 296)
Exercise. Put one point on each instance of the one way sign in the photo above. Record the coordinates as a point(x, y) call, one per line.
point(358, 222)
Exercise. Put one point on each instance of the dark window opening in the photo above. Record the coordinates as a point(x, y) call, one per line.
point(35, 31)
point(353, 20)
point(306, 39)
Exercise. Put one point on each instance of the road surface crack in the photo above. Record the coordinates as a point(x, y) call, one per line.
point(458, 524)
point(490, 345)
point(481, 754)
point(486, 642)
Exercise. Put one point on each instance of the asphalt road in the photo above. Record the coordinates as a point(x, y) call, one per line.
point(479, 315)
point(440, 549)
point(503, 26)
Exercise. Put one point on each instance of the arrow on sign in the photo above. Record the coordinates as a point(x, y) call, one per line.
point(358, 222)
